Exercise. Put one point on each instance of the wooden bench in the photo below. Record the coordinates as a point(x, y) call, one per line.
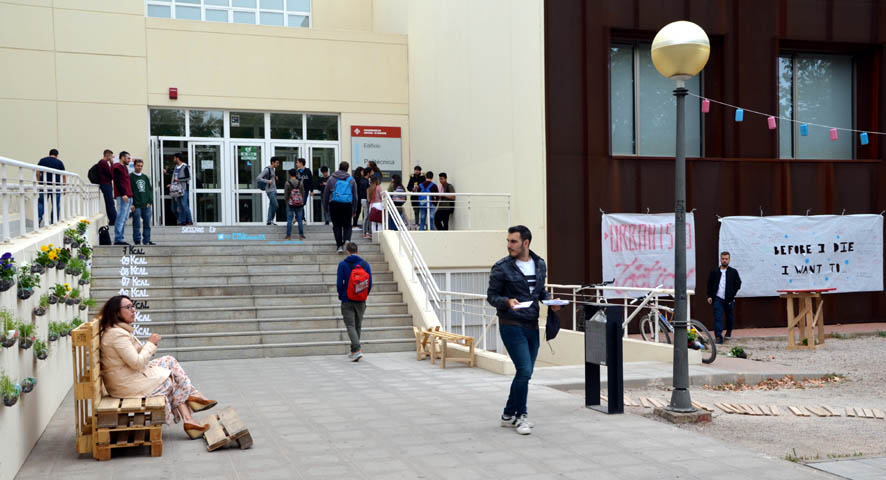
point(433, 343)
point(102, 422)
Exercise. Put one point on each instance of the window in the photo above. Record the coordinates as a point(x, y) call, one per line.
point(643, 107)
point(247, 125)
point(206, 123)
point(322, 127)
point(287, 126)
point(815, 89)
point(169, 123)
point(290, 13)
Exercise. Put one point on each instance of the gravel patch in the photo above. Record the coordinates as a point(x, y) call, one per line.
point(861, 360)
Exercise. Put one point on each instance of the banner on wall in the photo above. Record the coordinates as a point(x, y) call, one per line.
point(638, 250)
point(379, 144)
point(805, 252)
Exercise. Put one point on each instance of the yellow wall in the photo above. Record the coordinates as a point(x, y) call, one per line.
point(476, 99)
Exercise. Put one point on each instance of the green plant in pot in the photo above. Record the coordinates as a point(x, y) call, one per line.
point(26, 335)
point(70, 235)
point(65, 328)
point(68, 299)
point(85, 277)
point(75, 267)
point(54, 331)
point(28, 384)
point(26, 282)
point(41, 350)
point(76, 322)
point(7, 272)
point(84, 253)
point(82, 226)
point(77, 241)
point(10, 391)
point(42, 260)
point(64, 256)
point(8, 329)
point(87, 303)
point(40, 309)
point(57, 293)
point(75, 294)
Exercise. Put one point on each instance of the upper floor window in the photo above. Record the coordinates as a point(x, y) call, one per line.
point(815, 89)
point(290, 13)
point(643, 108)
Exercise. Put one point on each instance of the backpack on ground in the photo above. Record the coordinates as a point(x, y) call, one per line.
point(399, 200)
point(92, 174)
point(423, 199)
point(358, 284)
point(342, 192)
point(295, 197)
point(262, 181)
point(104, 236)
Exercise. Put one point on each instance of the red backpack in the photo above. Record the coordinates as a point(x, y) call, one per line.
point(358, 284)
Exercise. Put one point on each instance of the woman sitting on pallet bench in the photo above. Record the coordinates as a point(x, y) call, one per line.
point(128, 371)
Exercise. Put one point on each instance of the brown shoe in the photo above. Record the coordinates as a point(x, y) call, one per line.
point(195, 430)
point(199, 404)
point(287, 238)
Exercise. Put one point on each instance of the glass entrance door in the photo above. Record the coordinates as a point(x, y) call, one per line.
point(250, 205)
point(289, 154)
point(206, 165)
point(321, 156)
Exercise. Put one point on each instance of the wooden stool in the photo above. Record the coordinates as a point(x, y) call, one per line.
point(444, 338)
point(808, 320)
point(226, 428)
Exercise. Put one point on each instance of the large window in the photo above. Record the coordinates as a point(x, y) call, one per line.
point(289, 13)
point(643, 108)
point(814, 89)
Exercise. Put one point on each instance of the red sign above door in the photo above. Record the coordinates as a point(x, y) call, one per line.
point(366, 131)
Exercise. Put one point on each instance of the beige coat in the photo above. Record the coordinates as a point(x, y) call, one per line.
point(125, 368)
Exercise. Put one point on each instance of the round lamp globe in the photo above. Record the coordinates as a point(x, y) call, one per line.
point(680, 50)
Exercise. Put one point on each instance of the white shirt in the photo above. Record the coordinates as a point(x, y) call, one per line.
point(721, 290)
point(528, 270)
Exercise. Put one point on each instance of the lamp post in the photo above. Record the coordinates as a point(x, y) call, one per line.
point(679, 51)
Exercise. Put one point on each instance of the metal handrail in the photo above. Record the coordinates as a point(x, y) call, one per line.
point(76, 198)
point(456, 205)
point(488, 319)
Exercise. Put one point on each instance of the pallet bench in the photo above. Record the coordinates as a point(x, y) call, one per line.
point(225, 429)
point(433, 343)
point(102, 422)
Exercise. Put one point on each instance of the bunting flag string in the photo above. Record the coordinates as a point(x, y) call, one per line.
point(772, 124)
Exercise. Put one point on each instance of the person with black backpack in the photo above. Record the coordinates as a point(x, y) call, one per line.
point(340, 198)
point(101, 173)
point(294, 193)
point(267, 181)
point(353, 282)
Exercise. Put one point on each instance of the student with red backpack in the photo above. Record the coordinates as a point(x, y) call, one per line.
point(354, 282)
point(294, 193)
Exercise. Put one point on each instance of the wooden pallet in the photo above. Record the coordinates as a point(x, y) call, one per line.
point(125, 437)
point(121, 412)
point(226, 428)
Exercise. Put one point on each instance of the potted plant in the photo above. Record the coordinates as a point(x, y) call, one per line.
point(85, 277)
point(28, 384)
point(82, 226)
point(64, 328)
point(75, 295)
point(26, 282)
point(42, 261)
point(76, 241)
point(57, 293)
point(87, 303)
point(40, 309)
point(53, 331)
point(41, 351)
point(69, 300)
point(10, 391)
point(52, 254)
point(76, 322)
point(7, 272)
point(84, 253)
point(26, 335)
point(64, 256)
point(70, 234)
point(75, 267)
point(8, 329)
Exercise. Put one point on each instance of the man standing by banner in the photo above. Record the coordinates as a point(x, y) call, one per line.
point(723, 284)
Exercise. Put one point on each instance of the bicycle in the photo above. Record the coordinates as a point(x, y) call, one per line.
point(699, 337)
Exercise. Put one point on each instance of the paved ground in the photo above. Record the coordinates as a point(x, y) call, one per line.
point(858, 469)
point(392, 417)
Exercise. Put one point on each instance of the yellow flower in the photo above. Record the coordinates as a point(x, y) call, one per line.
point(44, 249)
point(67, 286)
point(53, 256)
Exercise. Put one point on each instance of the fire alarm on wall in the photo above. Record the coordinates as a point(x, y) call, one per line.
point(173, 93)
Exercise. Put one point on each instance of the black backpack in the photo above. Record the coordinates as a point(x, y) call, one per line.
point(104, 236)
point(92, 174)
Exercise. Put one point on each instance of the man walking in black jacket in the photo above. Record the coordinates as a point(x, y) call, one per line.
point(516, 286)
point(723, 284)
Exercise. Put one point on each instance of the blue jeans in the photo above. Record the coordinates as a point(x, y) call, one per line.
point(57, 213)
point(142, 215)
point(425, 218)
point(522, 345)
point(182, 209)
point(108, 193)
point(122, 217)
point(298, 214)
point(272, 205)
point(721, 307)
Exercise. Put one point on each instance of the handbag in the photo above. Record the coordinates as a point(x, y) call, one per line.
point(375, 215)
point(176, 190)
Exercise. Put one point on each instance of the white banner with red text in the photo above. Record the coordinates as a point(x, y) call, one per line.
point(638, 250)
point(794, 252)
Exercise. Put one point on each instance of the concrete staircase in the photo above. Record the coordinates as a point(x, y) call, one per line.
point(243, 292)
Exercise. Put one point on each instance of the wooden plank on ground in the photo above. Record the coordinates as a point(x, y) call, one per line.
point(722, 406)
point(833, 412)
point(736, 408)
point(850, 412)
point(879, 413)
point(798, 411)
point(645, 402)
point(604, 398)
point(764, 409)
point(215, 437)
point(859, 412)
point(869, 413)
point(656, 402)
point(819, 412)
point(750, 409)
point(232, 423)
point(629, 402)
point(775, 411)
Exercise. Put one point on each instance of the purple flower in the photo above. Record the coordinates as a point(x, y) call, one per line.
point(6, 255)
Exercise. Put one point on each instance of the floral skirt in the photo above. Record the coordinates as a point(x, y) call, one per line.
point(177, 388)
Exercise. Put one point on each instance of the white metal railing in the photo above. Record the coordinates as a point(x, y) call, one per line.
point(471, 211)
point(632, 299)
point(470, 314)
point(66, 197)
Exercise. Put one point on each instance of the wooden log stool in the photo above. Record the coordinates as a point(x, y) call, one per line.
point(808, 319)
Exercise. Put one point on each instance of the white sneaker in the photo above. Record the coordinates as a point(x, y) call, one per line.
point(340, 250)
point(357, 356)
point(356, 228)
point(351, 355)
point(524, 427)
point(509, 421)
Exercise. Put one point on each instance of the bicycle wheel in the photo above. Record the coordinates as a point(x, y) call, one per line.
point(647, 329)
point(708, 345)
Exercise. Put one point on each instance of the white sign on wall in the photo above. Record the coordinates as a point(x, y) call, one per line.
point(379, 144)
point(638, 250)
point(795, 252)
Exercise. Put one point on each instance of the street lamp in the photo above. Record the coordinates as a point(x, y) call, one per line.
point(679, 51)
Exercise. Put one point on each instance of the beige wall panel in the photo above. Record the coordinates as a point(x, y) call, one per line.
point(342, 14)
point(186, 100)
point(101, 78)
point(276, 68)
point(102, 33)
point(33, 3)
point(476, 72)
point(390, 16)
point(274, 32)
point(34, 77)
point(86, 129)
point(348, 120)
point(27, 129)
point(23, 26)
point(131, 7)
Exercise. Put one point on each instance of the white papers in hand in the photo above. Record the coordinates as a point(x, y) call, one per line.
point(556, 302)
point(523, 305)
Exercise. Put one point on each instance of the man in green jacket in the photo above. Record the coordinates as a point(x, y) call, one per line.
point(142, 197)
